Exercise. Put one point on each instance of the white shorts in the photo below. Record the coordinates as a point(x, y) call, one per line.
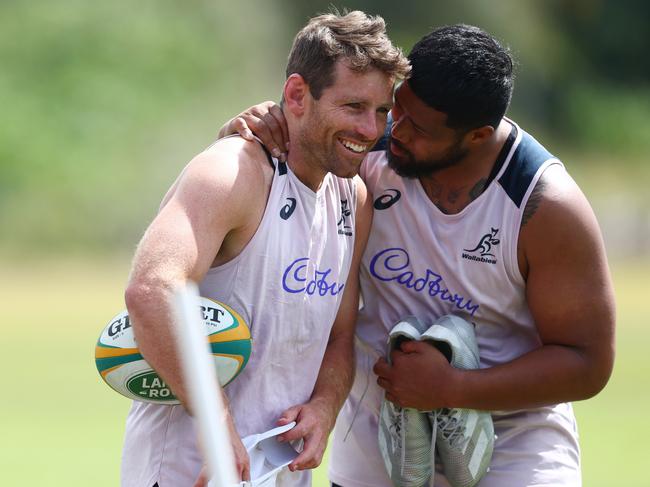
point(534, 447)
point(160, 446)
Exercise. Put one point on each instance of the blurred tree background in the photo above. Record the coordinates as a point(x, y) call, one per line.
point(103, 103)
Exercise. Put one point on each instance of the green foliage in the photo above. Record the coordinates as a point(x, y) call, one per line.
point(103, 102)
point(610, 36)
point(603, 116)
point(100, 101)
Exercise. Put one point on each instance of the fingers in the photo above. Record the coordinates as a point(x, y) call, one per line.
point(246, 471)
point(410, 346)
point(236, 125)
point(312, 453)
point(298, 432)
point(414, 346)
point(242, 462)
point(276, 112)
point(381, 367)
point(383, 371)
point(289, 415)
point(389, 391)
point(264, 121)
point(240, 126)
point(273, 138)
point(419, 350)
point(271, 131)
point(306, 460)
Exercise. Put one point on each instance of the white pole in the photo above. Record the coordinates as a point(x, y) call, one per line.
point(203, 389)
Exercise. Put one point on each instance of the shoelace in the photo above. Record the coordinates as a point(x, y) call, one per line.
point(450, 426)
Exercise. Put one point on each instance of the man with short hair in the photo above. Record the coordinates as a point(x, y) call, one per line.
point(474, 218)
point(278, 242)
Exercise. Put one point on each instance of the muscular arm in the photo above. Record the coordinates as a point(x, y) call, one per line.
point(181, 244)
point(570, 295)
point(198, 222)
point(569, 292)
point(337, 368)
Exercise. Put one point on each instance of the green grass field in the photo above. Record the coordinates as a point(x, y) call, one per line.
point(61, 426)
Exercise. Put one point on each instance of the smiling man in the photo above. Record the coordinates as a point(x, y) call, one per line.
point(475, 218)
point(278, 242)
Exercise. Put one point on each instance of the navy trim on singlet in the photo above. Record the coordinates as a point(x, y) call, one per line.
point(503, 155)
point(382, 144)
point(268, 156)
point(527, 159)
point(282, 168)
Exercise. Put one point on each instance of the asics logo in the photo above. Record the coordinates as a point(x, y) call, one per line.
point(388, 199)
point(287, 210)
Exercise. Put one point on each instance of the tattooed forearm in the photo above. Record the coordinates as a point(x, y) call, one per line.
point(533, 201)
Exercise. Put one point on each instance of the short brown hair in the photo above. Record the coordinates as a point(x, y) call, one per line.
point(358, 38)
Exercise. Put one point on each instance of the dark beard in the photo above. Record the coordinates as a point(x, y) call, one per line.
point(409, 167)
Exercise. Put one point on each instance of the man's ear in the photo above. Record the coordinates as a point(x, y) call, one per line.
point(480, 135)
point(296, 92)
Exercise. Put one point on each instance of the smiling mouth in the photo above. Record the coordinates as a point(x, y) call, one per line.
point(354, 147)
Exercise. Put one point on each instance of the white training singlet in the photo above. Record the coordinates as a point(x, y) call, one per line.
point(420, 261)
point(287, 284)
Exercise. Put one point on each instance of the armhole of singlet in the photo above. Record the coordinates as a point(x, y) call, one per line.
point(503, 155)
point(522, 208)
point(518, 179)
point(269, 157)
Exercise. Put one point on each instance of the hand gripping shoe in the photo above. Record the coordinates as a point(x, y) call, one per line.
point(464, 437)
point(405, 434)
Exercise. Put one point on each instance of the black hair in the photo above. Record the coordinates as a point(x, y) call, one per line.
point(464, 72)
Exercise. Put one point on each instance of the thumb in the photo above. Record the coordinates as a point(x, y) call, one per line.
point(289, 415)
point(411, 346)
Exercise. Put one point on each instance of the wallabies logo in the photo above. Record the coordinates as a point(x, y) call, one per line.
point(484, 248)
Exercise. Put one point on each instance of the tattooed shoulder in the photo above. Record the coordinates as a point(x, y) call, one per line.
point(534, 200)
point(477, 189)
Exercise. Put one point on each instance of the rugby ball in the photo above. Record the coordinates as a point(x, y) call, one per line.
point(123, 368)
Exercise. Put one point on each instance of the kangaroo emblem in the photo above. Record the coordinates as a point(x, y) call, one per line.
point(344, 228)
point(486, 243)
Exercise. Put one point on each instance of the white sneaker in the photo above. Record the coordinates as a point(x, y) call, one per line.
point(405, 434)
point(464, 437)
